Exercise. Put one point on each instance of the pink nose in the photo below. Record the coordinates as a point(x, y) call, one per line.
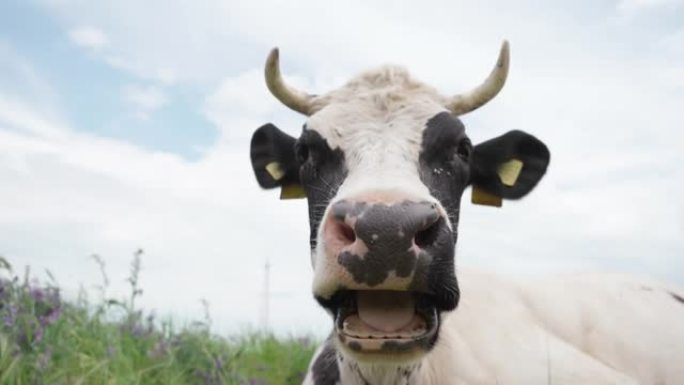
point(370, 240)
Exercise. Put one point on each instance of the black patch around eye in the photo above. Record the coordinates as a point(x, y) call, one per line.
point(444, 142)
point(443, 137)
point(320, 174)
point(464, 150)
point(313, 147)
point(301, 152)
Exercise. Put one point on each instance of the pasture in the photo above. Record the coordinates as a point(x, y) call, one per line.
point(45, 339)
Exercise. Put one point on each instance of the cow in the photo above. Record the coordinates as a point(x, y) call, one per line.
point(383, 162)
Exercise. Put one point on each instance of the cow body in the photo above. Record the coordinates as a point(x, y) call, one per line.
point(383, 162)
point(566, 329)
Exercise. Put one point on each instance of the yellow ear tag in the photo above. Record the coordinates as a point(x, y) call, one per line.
point(275, 170)
point(292, 191)
point(481, 197)
point(510, 171)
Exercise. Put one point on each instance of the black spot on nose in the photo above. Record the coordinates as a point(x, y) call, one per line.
point(398, 237)
point(398, 222)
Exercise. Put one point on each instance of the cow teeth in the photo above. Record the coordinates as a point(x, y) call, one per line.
point(354, 327)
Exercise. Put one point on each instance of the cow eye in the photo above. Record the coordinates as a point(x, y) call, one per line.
point(465, 148)
point(301, 152)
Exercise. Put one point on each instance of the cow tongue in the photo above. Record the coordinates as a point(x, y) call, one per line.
point(386, 311)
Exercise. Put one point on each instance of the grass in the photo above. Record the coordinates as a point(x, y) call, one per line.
point(47, 340)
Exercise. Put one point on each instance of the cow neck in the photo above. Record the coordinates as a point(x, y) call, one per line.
point(355, 373)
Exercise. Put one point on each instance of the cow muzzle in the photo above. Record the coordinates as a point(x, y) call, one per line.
point(386, 272)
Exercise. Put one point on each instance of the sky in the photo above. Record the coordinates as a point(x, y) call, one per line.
point(126, 125)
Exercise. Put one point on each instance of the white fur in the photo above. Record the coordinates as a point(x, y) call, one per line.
point(378, 120)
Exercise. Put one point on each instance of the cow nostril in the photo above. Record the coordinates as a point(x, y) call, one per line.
point(346, 233)
point(427, 236)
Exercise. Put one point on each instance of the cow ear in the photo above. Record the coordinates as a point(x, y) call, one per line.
point(273, 160)
point(508, 166)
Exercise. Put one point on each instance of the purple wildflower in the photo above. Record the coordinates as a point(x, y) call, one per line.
point(218, 363)
point(38, 333)
point(10, 318)
point(37, 294)
point(137, 330)
point(30, 333)
point(52, 316)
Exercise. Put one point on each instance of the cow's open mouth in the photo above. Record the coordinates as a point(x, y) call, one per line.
point(379, 321)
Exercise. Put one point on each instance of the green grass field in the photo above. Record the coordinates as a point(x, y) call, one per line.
point(46, 340)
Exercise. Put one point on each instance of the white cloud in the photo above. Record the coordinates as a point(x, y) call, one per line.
point(242, 103)
point(673, 44)
point(146, 99)
point(244, 94)
point(632, 7)
point(89, 37)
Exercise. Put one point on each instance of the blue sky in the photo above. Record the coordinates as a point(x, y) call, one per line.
point(89, 91)
point(126, 124)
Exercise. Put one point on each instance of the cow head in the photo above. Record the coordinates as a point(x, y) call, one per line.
point(383, 162)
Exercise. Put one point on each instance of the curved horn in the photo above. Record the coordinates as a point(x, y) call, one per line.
point(463, 103)
point(293, 98)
